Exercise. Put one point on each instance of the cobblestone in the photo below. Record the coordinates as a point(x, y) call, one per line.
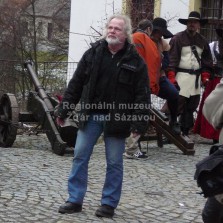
point(160, 189)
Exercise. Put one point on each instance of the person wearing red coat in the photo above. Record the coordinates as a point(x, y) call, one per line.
point(202, 126)
point(147, 49)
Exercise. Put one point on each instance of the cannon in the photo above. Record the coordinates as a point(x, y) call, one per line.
point(40, 110)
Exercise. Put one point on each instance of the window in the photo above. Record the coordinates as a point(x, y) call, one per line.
point(141, 9)
point(213, 11)
point(24, 28)
point(210, 9)
point(50, 31)
point(40, 27)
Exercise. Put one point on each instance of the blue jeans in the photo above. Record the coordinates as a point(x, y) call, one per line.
point(169, 92)
point(114, 148)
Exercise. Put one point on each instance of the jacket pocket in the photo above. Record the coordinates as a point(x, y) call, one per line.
point(126, 78)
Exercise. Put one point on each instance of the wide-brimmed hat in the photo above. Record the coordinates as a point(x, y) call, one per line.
point(161, 24)
point(219, 32)
point(193, 15)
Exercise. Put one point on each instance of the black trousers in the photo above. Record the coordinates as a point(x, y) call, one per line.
point(213, 211)
point(186, 109)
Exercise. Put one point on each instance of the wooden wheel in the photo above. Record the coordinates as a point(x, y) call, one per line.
point(9, 114)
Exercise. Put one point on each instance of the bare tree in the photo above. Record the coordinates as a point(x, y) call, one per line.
point(31, 30)
point(140, 9)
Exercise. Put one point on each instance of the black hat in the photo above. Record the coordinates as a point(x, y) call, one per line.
point(161, 24)
point(193, 15)
point(145, 23)
point(219, 32)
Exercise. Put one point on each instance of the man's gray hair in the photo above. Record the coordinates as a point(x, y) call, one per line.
point(127, 26)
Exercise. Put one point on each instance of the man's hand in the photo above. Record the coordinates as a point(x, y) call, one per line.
point(59, 121)
point(171, 76)
point(135, 135)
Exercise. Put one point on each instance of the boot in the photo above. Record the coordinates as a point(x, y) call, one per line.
point(175, 127)
point(185, 131)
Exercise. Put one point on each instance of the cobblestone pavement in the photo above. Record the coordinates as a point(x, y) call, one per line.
point(33, 184)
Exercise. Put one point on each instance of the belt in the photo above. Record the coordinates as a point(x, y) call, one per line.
point(191, 72)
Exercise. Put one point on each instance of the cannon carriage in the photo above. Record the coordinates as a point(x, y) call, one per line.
point(40, 110)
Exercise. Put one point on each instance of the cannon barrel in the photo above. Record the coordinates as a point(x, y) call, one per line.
point(38, 87)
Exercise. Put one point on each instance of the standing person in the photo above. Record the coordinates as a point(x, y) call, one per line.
point(159, 84)
point(202, 126)
point(213, 112)
point(190, 63)
point(109, 80)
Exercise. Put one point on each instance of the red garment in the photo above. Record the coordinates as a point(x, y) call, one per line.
point(151, 55)
point(201, 126)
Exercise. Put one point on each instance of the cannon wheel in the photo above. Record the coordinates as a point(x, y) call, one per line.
point(9, 114)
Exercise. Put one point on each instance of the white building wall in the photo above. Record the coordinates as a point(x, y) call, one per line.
point(87, 13)
point(172, 10)
point(84, 14)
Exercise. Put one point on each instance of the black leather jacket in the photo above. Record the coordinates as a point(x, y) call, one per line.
point(130, 86)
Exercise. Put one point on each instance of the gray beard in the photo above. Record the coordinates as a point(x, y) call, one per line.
point(112, 41)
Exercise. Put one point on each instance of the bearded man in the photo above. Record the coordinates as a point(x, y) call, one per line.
point(109, 75)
